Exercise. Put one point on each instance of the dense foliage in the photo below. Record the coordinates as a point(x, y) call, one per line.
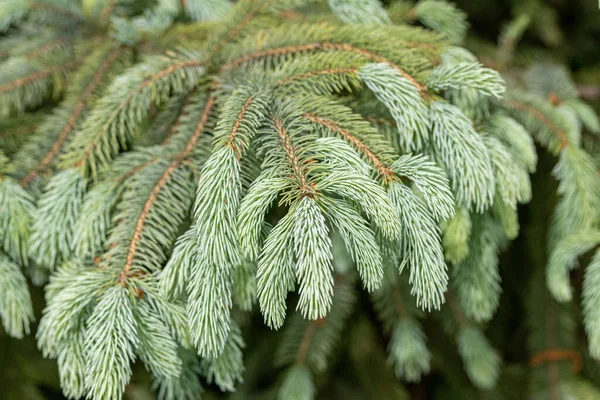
point(222, 191)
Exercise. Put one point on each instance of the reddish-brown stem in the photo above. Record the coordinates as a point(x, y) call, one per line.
point(46, 47)
point(183, 112)
point(236, 126)
point(555, 355)
point(36, 76)
point(141, 221)
point(159, 75)
point(458, 313)
point(75, 116)
point(322, 46)
point(307, 338)
point(385, 171)
point(330, 71)
point(293, 159)
point(545, 121)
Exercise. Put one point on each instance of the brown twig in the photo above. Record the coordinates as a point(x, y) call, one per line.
point(384, 170)
point(542, 118)
point(141, 221)
point(161, 74)
point(74, 117)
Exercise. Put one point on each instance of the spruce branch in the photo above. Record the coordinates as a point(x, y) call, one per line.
point(372, 198)
point(421, 248)
point(360, 242)
point(464, 156)
point(564, 258)
point(16, 310)
point(66, 122)
point(16, 131)
point(455, 236)
point(275, 274)
point(538, 117)
point(407, 348)
point(69, 302)
point(342, 40)
point(25, 85)
point(221, 190)
point(306, 345)
point(477, 279)
point(152, 82)
point(51, 44)
point(362, 138)
point(359, 12)
point(272, 153)
point(110, 342)
point(481, 361)
point(56, 216)
point(431, 181)
point(314, 270)
point(505, 172)
point(71, 366)
point(590, 305)
point(467, 75)
point(157, 348)
point(252, 210)
point(579, 185)
point(514, 135)
point(16, 217)
point(227, 369)
point(60, 12)
point(402, 95)
point(443, 17)
point(187, 385)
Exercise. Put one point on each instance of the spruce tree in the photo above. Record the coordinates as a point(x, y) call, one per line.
point(170, 170)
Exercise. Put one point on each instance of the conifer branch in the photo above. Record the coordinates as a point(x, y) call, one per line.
point(175, 127)
point(162, 181)
point(231, 139)
point(297, 166)
point(139, 226)
point(47, 47)
point(95, 135)
point(328, 71)
point(385, 171)
point(363, 148)
point(74, 117)
point(57, 10)
point(560, 134)
point(38, 75)
point(233, 33)
point(321, 46)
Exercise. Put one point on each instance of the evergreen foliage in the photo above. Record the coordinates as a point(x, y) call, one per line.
point(187, 161)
